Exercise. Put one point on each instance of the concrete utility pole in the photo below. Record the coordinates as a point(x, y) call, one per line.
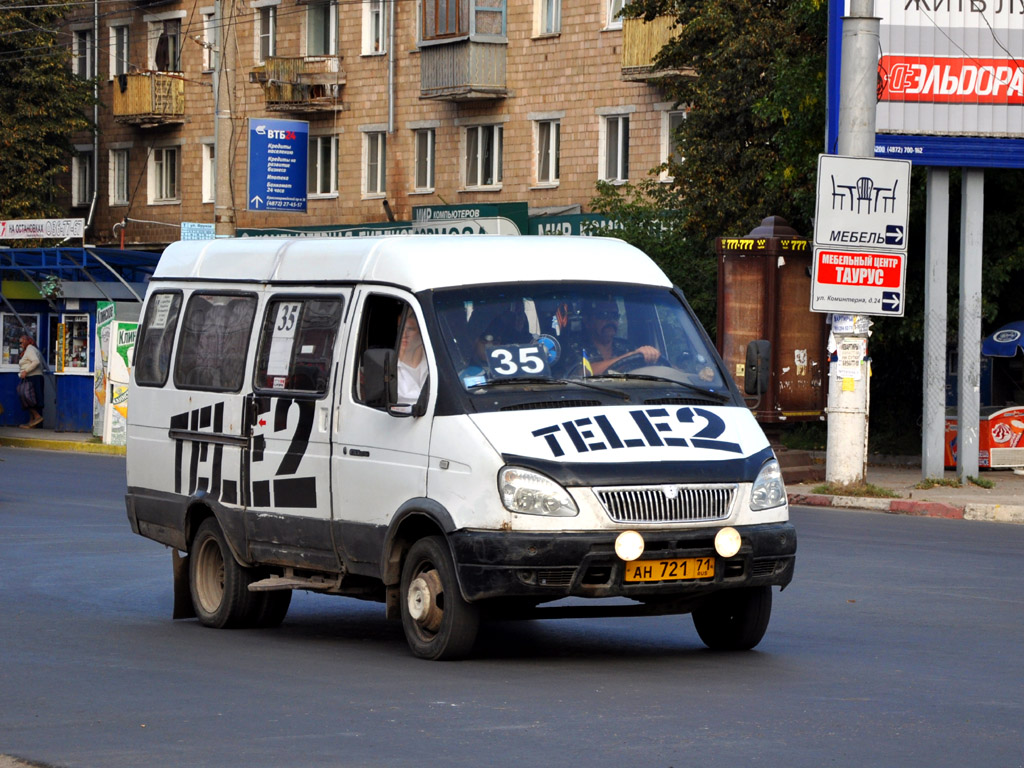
point(847, 446)
point(223, 78)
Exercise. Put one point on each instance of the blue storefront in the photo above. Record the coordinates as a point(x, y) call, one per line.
point(63, 297)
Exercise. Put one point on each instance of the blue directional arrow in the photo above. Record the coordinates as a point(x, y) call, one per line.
point(894, 235)
point(891, 301)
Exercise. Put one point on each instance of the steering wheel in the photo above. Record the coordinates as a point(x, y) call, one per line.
point(633, 361)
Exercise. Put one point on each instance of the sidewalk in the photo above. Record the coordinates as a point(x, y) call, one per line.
point(1003, 503)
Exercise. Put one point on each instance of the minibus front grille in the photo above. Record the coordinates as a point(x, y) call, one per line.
point(658, 504)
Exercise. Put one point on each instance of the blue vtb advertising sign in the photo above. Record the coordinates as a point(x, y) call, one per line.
point(277, 164)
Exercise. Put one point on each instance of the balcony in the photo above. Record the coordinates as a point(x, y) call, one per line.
point(463, 70)
point(301, 83)
point(641, 42)
point(149, 99)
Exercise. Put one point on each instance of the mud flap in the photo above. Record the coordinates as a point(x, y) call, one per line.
point(183, 608)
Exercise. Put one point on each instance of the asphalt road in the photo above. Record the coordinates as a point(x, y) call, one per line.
point(898, 644)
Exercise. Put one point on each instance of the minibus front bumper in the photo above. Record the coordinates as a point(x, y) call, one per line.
point(549, 566)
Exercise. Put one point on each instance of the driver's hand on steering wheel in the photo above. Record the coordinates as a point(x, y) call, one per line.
point(651, 354)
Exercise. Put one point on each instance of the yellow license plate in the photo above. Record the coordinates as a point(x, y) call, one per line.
point(670, 570)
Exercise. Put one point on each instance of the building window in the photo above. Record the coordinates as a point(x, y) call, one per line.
point(374, 27)
point(118, 49)
point(209, 173)
point(81, 178)
point(321, 29)
point(483, 155)
point(549, 17)
point(83, 53)
point(616, 148)
point(424, 159)
point(323, 166)
point(165, 45)
point(267, 31)
point(375, 163)
point(670, 153)
point(614, 9)
point(441, 18)
point(163, 175)
point(118, 177)
point(209, 41)
point(548, 148)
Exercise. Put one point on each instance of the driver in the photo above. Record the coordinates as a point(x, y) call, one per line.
point(602, 348)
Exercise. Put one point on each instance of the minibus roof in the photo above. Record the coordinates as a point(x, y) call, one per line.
point(415, 262)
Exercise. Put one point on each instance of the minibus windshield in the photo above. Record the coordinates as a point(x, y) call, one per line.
point(499, 335)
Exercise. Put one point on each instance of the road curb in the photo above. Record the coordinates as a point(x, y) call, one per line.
point(993, 513)
point(76, 446)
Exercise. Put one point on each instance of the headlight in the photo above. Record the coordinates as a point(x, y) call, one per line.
point(769, 490)
point(531, 493)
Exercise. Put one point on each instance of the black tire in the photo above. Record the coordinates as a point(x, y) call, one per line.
point(439, 624)
point(219, 585)
point(271, 608)
point(734, 619)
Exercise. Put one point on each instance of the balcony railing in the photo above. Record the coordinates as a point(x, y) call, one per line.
point(149, 99)
point(301, 83)
point(641, 42)
point(464, 70)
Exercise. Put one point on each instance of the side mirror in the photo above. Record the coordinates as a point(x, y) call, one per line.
point(380, 377)
point(757, 372)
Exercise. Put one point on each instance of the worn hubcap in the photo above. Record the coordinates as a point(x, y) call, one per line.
point(424, 601)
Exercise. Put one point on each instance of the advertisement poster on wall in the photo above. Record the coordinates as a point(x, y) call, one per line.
point(104, 320)
point(119, 365)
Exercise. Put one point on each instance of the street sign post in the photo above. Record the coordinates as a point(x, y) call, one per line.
point(277, 164)
point(857, 282)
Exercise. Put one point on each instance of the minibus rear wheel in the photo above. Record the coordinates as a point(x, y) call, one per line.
point(220, 586)
point(734, 619)
point(439, 624)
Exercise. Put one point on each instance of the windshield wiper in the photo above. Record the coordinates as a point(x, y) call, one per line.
point(722, 397)
point(543, 380)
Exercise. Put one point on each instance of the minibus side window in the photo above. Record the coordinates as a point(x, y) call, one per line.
point(297, 344)
point(386, 322)
point(214, 341)
point(153, 353)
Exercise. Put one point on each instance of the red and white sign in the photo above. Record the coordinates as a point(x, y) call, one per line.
point(947, 80)
point(858, 282)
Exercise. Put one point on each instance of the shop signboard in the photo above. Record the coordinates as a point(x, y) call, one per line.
point(277, 164)
point(858, 282)
point(471, 219)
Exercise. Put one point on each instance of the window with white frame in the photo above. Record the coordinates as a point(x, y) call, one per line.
point(614, 20)
point(11, 331)
point(374, 27)
point(321, 28)
point(547, 17)
point(209, 40)
point(82, 177)
point(266, 31)
point(424, 159)
point(548, 148)
point(322, 166)
point(165, 44)
point(670, 153)
point(118, 49)
point(209, 172)
point(375, 163)
point(163, 174)
point(483, 155)
point(615, 148)
point(83, 53)
point(118, 175)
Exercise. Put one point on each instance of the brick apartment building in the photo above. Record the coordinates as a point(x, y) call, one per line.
point(412, 102)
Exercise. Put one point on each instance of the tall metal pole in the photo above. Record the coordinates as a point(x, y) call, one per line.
point(846, 457)
point(224, 72)
point(972, 215)
point(933, 425)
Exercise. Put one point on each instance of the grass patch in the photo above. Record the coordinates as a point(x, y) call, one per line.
point(981, 482)
point(863, 489)
point(932, 482)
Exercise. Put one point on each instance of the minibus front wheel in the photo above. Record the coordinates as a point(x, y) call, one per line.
point(439, 624)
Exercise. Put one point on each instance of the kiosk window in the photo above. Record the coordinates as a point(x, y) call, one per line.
point(153, 353)
point(213, 342)
point(297, 345)
point(11, 330)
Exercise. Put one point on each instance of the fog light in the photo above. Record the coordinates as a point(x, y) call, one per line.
point(629, 545)
point(727, 542)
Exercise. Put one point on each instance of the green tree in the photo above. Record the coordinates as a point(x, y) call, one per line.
point(44, 104)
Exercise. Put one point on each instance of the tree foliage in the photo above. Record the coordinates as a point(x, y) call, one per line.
point(44, 104)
